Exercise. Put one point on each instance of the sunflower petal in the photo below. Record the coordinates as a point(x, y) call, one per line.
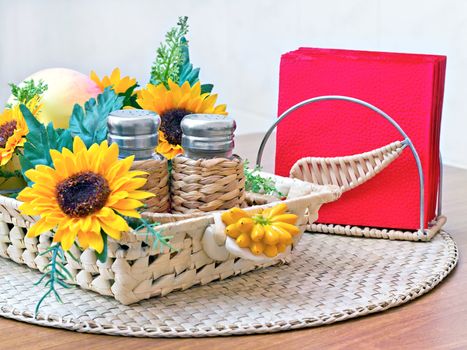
point(115, 197)
point(130, 213)
point(111, 231)
point(78, 145)
point(140, 195)
point(41, 226)
point(38, 176)
point(116, 221)
point(127, 204)
point(66, 238)
point(92, 240)
point(135, 173)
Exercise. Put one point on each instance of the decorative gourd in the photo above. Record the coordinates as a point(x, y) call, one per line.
point(65, 88)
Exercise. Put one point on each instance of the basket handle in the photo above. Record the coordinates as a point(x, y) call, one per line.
point(406, 141)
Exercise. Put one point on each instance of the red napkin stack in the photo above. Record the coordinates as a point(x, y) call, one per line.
point(408, 87)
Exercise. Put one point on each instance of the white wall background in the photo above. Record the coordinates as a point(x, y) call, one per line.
point(237, 43)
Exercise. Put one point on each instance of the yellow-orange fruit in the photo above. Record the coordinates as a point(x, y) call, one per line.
point(292, 229)
point(284, 236)
point(270, 251)
point(245, 225)
point(232, 231)
point(238, 213)
point(257, 248)
point(257, 233)
point(271, 237)
point(265, 212)
point(278, 209)
point(227, 218)
point(286, 218)
point(281, 247)
point(243, 241)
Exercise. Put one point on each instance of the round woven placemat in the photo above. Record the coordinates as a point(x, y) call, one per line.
point(332, 278)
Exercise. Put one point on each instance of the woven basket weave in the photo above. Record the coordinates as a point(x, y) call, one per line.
point(137, 270)
point(157, 183)
point(349, 172)
point(331, 279)
point(206, 185)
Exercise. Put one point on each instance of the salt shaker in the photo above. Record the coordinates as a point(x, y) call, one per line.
point(207, 176)
point(137, 133)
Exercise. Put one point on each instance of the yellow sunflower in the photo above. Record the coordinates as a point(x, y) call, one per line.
point(13, 129)
point(172, 105)
point(83, 195)
point(118, 84)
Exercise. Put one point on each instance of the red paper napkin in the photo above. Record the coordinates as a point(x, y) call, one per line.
point(408, 87)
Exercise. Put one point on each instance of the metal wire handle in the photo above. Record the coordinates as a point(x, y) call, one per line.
point(406, 142)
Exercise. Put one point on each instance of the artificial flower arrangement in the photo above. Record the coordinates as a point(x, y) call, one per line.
point(58, 163)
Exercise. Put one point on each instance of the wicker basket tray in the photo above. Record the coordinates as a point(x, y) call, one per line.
point(136, 270)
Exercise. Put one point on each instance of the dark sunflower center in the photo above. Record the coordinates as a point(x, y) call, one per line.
point(170, 124)
point(82, 194)
point(6, 130)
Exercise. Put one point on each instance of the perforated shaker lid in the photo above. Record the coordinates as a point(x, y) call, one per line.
point(208, 133)
point(135, 131)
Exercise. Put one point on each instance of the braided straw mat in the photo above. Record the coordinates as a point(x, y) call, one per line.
point(331, 278)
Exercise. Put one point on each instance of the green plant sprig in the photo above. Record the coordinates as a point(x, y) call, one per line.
point(26, 92)
point(57, 274)
point(170, 55)
point(151, 231)
point(173, 60)
point(254, 182)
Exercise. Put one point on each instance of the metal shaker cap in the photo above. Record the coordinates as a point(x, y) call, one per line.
point(135, 131)
point(208, 134)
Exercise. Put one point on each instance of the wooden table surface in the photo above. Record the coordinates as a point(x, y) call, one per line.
point(437, 320)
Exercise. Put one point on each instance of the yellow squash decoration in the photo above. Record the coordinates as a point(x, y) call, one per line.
point(269, 232)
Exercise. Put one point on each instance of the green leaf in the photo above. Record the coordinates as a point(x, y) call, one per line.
point(40, 140)
point(128, 98)
point(206, 88)
point(90, 123)
point(188, 73)
point(103, 255)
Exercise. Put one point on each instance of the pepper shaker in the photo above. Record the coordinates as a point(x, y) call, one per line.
point(207, 176)
point(137, 133)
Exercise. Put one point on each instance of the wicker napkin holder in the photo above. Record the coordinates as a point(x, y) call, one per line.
point(359, 169)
